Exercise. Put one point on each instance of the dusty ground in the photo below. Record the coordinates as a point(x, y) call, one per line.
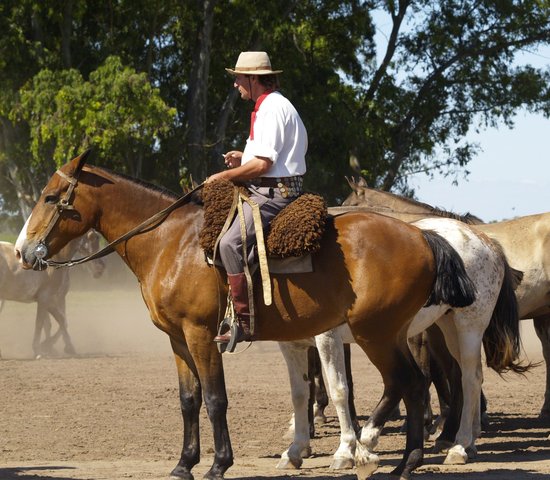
point(113, 412)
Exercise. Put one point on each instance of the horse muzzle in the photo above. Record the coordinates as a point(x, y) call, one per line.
point(34, 258)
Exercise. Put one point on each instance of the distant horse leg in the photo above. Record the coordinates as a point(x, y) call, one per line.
point(58, 311)
point(439, 354)
point(203, 369)
point(319, 399)
point(402, 379)
point(419, 349)
point(349, 376)
point(296, 358)
point(42, 322)
point(332, 354)
point(542, 327)
point(451, 369)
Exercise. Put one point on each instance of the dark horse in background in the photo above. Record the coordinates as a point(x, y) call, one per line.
point(372, 271)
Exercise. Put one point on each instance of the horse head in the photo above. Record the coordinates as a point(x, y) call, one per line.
point(59, 216)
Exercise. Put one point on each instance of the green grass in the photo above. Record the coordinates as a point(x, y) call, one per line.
point(8, 237)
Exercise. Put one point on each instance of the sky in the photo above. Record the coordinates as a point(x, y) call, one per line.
point(510, 177)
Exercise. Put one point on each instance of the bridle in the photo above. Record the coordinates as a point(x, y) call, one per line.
point(41, 249)
point(63, 204)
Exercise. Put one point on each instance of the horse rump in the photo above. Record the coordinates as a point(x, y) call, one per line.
point(452, 284)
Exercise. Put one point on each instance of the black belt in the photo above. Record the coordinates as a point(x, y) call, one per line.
point(274, 182)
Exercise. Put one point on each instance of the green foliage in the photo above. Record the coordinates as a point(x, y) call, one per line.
point(117, 113)
point(118, 76)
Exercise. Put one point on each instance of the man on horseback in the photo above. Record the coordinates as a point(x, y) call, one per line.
point(271, 166)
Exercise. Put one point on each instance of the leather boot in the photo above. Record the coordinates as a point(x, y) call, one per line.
point(239, 295)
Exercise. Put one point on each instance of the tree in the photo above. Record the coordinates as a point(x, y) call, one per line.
point(398, 107)
point(117, 112)
point(449, 66)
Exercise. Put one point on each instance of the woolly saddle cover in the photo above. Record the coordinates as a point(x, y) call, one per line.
point(295, 231)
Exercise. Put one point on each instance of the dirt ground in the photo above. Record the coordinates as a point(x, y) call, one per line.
point(112, 412)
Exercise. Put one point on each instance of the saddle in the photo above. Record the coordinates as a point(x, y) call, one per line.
point(293, 235)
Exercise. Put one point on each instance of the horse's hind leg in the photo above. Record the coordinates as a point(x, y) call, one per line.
point(296, 358)
point(42, 323)
point(542, 327)
point(58, 311)
point(402, 379)
point(332, 353)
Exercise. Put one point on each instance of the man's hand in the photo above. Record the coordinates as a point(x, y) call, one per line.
point(233, 158)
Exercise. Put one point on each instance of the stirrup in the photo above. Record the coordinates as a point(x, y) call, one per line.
point(233, 326)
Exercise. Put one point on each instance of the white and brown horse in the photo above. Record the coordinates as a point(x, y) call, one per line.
point(372, 271)
point(492, 320)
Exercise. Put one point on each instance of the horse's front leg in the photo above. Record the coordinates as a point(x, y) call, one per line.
point(208, 362)
point(296, 357)
point(190, 402)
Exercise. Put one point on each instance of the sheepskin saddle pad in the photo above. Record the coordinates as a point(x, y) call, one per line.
point(296, 231)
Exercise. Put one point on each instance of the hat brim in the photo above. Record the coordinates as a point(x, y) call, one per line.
point(252, 72)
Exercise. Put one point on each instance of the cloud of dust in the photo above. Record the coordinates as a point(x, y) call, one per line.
point(105, 316)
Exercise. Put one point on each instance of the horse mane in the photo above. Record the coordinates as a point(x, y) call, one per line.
point(195, 198)
point(467, 217)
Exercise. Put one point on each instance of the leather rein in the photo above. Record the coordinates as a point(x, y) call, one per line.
point(63, 204)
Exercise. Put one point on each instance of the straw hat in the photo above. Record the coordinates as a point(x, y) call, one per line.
point(253, 63)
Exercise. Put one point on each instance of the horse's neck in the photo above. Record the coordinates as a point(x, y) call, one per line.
point(386, 200)
point(117, 219)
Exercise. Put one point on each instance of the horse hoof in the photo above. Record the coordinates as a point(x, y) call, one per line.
point(306, 452)
point(471, 452)
point(181, 473)
point(285, 463)
point(456, 456)
point(342, 464)
point(320, 420)
point(441, 446)
point(366, 463)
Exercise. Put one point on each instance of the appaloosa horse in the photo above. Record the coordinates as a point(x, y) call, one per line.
point(492, 320)
point(372, 271)
point(525, 241)
point(47, 289)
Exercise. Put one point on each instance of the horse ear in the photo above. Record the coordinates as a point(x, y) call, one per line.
point(362, 183)
point(80, 161)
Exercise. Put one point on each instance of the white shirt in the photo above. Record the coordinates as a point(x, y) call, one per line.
point(280, 135)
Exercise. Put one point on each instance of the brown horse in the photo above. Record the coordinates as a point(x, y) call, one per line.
point(372, 271)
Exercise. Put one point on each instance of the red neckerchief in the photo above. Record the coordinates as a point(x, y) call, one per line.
point(261, 98)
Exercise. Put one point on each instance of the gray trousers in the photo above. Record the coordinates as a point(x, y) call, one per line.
point(271, 202)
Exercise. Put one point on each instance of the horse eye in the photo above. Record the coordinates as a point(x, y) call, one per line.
point(52, 199)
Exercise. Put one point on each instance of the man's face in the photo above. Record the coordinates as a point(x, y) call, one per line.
point(244, 84)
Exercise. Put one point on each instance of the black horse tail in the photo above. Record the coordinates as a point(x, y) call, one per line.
point(501, 340)
point(452, 284)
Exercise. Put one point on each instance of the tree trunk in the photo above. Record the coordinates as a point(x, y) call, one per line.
point(197, 95)
point(66, 33)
